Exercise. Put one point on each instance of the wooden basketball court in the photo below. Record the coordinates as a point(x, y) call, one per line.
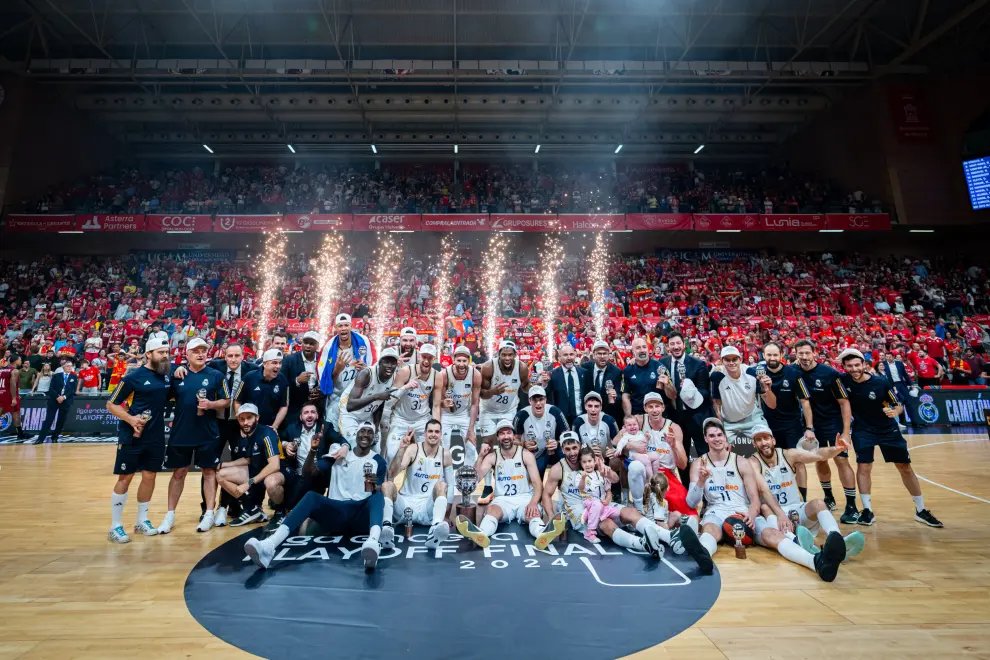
point(915, 592)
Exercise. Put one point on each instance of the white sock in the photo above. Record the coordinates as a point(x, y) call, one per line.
point(711, 545)
point(645, 523)
point(535, 527)
point(919, 502)
point(692, 522)
point(790, 550)
point(488, 480)
point(827, 522)
point(374, 533)
point(170, 515)
point(637, 481)
point(142, 513)
point(278, 536)
point(866, 501)
point(387, 510)
point(488, 525)
point(624, 539)
point(439, 509)
point(117, 503)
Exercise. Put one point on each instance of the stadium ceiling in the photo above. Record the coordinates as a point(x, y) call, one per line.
point(492, 76)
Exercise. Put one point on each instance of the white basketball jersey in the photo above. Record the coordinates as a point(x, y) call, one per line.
point(345, 378)
point(503, 404)
point(461, 394)
point(511, 476)
point(656, 442)
point(780, 479)
point(595, 486)
point(376, 386)
point(724, 488)
point(592, 435)
point(572, 502)
point(423, 474)
point(413, 405)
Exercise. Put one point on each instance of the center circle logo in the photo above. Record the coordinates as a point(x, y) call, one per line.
point(576, 599)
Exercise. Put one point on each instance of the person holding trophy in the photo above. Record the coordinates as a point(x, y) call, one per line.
point(539, 426)
point(457, 407)
point(429, 478)
point(738, 397)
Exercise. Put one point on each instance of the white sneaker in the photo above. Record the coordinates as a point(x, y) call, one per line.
point(145, 527)
point(166, 525)
point(369, 553)
point(438, 534)
point(118, 535)
point(207, 522)
point(387, 537)
point(221, 517)
point(260, 552)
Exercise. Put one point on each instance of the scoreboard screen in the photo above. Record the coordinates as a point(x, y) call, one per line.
point(978, 181)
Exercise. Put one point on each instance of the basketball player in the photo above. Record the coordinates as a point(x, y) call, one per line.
point(777, 468)
point(10, 400)
point(875, 409)
point(139, 403)
point(460, 391)
point(595, 428)
point(346, 354)
point(408, 355)
point(728, 486)
point(501, 382)
point(518, 489)
point(350, 509)
point(366, 395)
point(567, 476)
point(739, 397)
point(790, 420)
point(429, 477)
point(832, 418)
point(414, 404)
point(540, 425)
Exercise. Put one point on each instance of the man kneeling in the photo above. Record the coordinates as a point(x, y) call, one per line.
point(355, 505)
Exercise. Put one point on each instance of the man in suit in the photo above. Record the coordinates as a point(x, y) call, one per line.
point(894, 370)
point(564, 388)
point(598, 374)
point(686, 389)
point(61, 394)
point(300, 370)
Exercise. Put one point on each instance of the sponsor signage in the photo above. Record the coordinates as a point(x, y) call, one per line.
point(109, 222)
point(591, 222)
point(792, 222)
point(727, 221)
point(246, 223)
point(386, 222)
point(660, 221)
point(179, 223)
point(318, 222)
point(39, 223)
point(524, 222)
point(87, 415)
point(858, 221)
point(456, 222)
point(947, 407)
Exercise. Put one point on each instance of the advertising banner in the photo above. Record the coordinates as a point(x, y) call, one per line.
point(386, 222)
point(456, 222)
point(18, 222)
point(858, 221)
point(109, 222)
point(660, 221)
point(178, 223)
point(524, 222)
point(792, 222)
point(246, 223)
point(591, 221)
point(726, 221)
point(318, 222)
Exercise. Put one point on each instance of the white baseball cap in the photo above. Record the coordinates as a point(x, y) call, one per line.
point(536, 390)
point(247, 408)
point(569, 436)
point(315, 336)
point(462, 350)
point(652, 396)
point(342, 318)
point(505, 343)
point(428, 349)
point(599, 344)
point(760, 429)
point(408, 330)
point(730, 350)
point(388, 353)
point(155, 343)
point(850, 352)
point(590, 395)
point(271, 354)
point(366, 425)
point(195, 342)
point(504, 423)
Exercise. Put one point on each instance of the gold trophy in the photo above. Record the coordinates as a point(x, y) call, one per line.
point(146, 416)
point(200, 395)
point(408, 514)
point(738, 532)
point(369, 478)
point(467, 481)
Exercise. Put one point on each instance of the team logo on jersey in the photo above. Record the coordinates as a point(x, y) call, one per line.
point(275, 389)
point(783, 469)
point(873, 395)
point(818, 383)
point(206, 382)
point(730, 473)
point(786, 383)
point(653, 375)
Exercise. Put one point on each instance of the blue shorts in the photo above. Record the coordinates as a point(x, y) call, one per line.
point(788, 435)
point(826, 436)
point(892, 445)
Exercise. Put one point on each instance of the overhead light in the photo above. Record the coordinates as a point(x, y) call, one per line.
point(455, 148)
point(374, 149)
point(400, 231)
point(618, 149)
point(921, 231)
point(291, 148)
point(620, 231)
point(698, 150)
point(727, 231)
point(177, 231)
point(830, 231)
point(70, 232)
point(207, 147)
point(537, 149)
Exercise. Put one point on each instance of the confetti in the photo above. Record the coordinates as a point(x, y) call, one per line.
point(330, 266)
point(271, 280)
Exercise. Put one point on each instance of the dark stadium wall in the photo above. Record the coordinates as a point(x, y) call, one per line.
point(49, 142)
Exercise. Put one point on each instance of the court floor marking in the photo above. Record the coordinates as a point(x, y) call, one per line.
point(935, 483)
point(685, 580)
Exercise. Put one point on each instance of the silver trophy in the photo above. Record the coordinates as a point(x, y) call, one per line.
point(146, 416)
point(369, 485)
point(795, 517)
point(467, 480)
point(408, 515)
point(681, 371)
point(761, 370)
point(448, 397)
point(739, 533)
point(201, 395)
point(547, 364)
point(808, 445)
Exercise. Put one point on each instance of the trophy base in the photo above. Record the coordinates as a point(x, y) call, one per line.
point(740, 552)
point(469, 511)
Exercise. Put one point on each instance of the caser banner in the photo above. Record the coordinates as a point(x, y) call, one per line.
point(386, 222)
point(179, 223)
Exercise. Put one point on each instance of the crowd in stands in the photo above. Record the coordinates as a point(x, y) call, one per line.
point(433, 188)
point(101, 309)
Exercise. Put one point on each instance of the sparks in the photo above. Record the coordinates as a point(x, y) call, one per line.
point(492, 272)
point(441, 291)
point(598, 267)
point(330, 270)
point(384, 276)
point(551, 258)
point(271, 280)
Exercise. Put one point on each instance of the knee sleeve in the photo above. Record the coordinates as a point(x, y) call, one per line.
point(637, 479)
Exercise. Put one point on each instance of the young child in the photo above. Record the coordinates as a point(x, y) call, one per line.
point(631, 432)
point(655, 501)
point(597, 493)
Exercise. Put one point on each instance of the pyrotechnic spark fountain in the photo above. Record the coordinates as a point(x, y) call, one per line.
point(598, 263)
point(384, 273)
point(492, 272)
point(271, 279)
point(441, 291)
point(331, 268)
point(551, 257)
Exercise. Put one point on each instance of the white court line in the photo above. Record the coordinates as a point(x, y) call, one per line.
point(935, 483)
point(685, 581)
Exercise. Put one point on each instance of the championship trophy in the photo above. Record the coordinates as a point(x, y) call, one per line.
point(369, 484)
point(795, 517)
point(738, 533)
point(448, 397)
point(146, 416)
point(610, 390)
point(661, 372)
point(467, 481)
point(807, 445)
point(547, 364)
point(408, 513)
point(681, 372)
point(201, 395)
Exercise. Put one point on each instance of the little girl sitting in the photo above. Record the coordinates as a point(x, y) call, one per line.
point(597, 493)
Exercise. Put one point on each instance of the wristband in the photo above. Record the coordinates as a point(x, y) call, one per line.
point(809, 428)
point(251, 481)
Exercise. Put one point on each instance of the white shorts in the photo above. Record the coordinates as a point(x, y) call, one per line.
point(513, 507)
point(470, 450)
point(422, 509)
point(489, 423)
point(741, 432)
point(716, 515)
point(332, 410)
point(396, 431)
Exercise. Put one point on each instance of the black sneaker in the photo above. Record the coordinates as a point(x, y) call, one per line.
point(866, 517)
point(487, 495)
point(833, 553)
point(249, 516)
point(697, 552)
point(274, 523)
point(850, 516)
point(925, 516)
point(830, 503)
